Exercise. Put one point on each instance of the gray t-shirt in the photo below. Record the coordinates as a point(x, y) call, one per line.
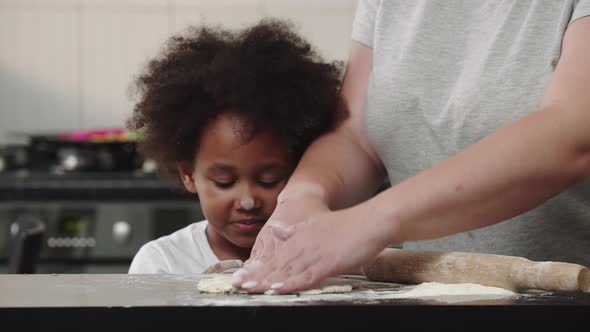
point(448, 73)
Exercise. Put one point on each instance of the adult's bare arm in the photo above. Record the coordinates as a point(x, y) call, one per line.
point(341, 167)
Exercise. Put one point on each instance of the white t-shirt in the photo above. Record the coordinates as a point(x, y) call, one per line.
point(186, 251)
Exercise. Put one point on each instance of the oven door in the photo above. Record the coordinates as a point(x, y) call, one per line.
point(93, 237)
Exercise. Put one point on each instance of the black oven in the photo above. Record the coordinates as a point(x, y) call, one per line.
point(98, 203)
point(93, 236)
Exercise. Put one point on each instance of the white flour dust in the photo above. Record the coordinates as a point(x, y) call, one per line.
point(447, 293)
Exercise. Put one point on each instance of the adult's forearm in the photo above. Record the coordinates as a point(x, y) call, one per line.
point(509, 172)
point(341, 167)
point(337, 170)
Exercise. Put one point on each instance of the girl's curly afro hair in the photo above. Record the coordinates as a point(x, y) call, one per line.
point(266, 73)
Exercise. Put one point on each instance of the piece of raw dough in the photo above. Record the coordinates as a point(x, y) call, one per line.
point(222, 283)
point(435, 289)
point(326, 289)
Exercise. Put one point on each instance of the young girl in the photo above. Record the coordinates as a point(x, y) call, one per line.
point(229, 114)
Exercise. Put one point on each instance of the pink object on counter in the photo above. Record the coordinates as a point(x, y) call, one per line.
point(96, 135)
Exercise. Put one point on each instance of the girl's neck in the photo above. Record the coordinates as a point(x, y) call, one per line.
point(224, 249)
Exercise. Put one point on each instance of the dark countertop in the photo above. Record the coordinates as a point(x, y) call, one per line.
point(152, 301)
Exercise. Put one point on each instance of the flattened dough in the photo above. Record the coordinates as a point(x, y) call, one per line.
point(435, 289)
point(222, 283)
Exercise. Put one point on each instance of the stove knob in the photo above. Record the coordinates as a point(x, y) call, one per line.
point(14, 229)
point(149, 166)
point(25, 223)
point(121, 231)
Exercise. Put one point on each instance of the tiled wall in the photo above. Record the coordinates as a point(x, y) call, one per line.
point(67, 64)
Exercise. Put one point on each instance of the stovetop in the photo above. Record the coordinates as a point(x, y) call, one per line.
point(88, 186)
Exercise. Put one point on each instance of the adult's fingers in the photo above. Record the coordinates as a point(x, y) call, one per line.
point(301, 272)
point(257, 276)
point(296, 282)
point(251, 277)
point(268, 241)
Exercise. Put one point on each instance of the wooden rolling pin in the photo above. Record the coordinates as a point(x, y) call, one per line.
point(514, 273)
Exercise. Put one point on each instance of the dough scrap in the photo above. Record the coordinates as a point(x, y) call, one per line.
point(327, 289)
point(222, 283)
point(435, 289)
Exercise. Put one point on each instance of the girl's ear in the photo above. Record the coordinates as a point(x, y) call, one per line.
point(186, 175)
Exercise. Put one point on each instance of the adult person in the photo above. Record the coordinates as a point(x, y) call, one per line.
point(479, 113)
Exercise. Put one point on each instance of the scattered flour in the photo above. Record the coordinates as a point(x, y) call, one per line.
point(433, 291)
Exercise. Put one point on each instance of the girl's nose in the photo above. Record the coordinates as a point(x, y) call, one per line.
point(247, 199)
point(247, 203)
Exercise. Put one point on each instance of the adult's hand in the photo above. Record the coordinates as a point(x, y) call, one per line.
point(326, 244)
point(287, 213)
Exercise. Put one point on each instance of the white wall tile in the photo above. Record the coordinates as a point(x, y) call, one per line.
point(119, 4)
point(232, 6)
point(39, 4)
point(328, 33)
point(68, 64)
point(327, 24)
point(230, 14)
point(116, 44)
point(38, 70)
point(309, 5)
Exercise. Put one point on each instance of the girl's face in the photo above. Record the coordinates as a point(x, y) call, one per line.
point(237, 182)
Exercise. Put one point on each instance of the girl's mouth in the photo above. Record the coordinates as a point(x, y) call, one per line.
point(247, 226)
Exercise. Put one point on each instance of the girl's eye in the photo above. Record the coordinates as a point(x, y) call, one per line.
point(223, 185)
